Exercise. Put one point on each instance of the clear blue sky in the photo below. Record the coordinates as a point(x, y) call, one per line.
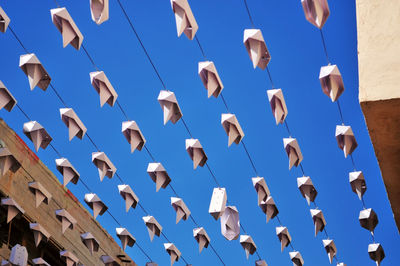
point(297, 56)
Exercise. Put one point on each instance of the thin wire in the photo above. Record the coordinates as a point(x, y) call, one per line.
point(141, 44)
point(250, 159)
point(58, 95)
point(141, 249)
point(244, 230)
point(340, 112)
point(58, 153)
point(216, 253)
point(258, 255)
point(270, 78)
point(352, 161)
point(193, 220)
point(302, 170)
point(212, 174)
point(149, 153)
point(143, 209)
point(112, 216)
point(173, 190)
point(55, 150)
point(201, 47)
point(122, 110)
point(226, 105)
point(324, 44)
point(22, 111)
point(90, 58)
point(16, 37)
point(120, 179)
point(187, 128)
point(94, 144)
point(84, 184)
point(248, 12)
point(287, 128)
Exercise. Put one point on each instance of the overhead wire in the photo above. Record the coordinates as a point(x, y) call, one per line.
point(285, 122)
point(57, 152)
point(323, 41)
point(123, 111)
point(157, 72)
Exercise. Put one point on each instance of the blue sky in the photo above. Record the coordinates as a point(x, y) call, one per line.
point(297, 56)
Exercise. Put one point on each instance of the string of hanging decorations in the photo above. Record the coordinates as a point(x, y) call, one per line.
point(260, 56)
point(332, 85)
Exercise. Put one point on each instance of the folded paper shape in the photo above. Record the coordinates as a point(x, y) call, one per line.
point(210, 78)
point(4, 20)
point(261, 263)
point(90, 242)
point(269, 208)
point(35, 71)
point(278, 105)
point(173, 252)
point(159, 175)
point(19, 255)
point(104, 165)
point(248, 245)
point(67, 170)
point(39, 233)
point(67, 27)
point(330, 248)
point(185, 21)
point(201, 237)
point(341, 264)
point(7, 100)
point(232, 128)
point(218, 202)
point(99, 10)
point(376, 253)
point(357, 182)
point(74, 124)
point(170, 106)
point(318, 219)
point(153, 226)
point(103, 87)
point(307, 188)
point(126, 238)
point(331, 81)
point(41, 194)
point(230, 224)
point(133, 135)
point(67, 221)
point(316, 11)
point(262, 189)
point(37, 134)
point(69, 258)
point(7, 161)
point(13, 208)
point(95, 203)
point(40, 262)
point(368, 219)
point(196, 152)
point(182, 211)
point(293, 152)
point(131, 200)
point(296, 258)
point(108, 260)
point(345, 139)
point(256, 48)
point(284, 236)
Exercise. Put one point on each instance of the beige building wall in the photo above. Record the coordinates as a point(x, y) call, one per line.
point(378, 27)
